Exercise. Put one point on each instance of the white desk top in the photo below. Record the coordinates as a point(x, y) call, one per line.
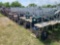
point(41, 25)
point(24, 18)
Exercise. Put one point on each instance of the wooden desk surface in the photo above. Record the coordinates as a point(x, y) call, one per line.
point(24, 18)
point(41, 25)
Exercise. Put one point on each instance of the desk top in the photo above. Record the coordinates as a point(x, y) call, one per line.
point(24, 18)
point(41, 25)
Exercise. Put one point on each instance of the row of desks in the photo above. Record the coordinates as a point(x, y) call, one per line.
point(43, 24)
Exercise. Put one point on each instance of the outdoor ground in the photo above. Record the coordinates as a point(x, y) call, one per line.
point(14, 34)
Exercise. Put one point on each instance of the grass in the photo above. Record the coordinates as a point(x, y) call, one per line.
point(14, 34)
point(1, 15)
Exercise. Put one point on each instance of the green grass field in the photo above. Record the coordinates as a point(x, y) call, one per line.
point(14, 34)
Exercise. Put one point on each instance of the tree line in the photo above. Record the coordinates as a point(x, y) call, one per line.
point(17, 4)
point(13, 4)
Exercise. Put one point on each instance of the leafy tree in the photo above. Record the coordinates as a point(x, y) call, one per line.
point(32, 5)
point(44, 6)
point(49, 5)
point(1, 4)
point(22, 6)
point(58, 4)
point(7, 4)
point(53, 6)
point(16, 4)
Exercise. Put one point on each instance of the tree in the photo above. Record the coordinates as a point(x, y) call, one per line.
point(22, 6)
point(49, 5)
point(58, 4)
point(32, 5)
point(53, 6)
point(16, 4)
point(7, 4)
point(1, 4)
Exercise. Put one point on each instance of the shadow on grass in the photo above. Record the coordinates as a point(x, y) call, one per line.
point(53, 37)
